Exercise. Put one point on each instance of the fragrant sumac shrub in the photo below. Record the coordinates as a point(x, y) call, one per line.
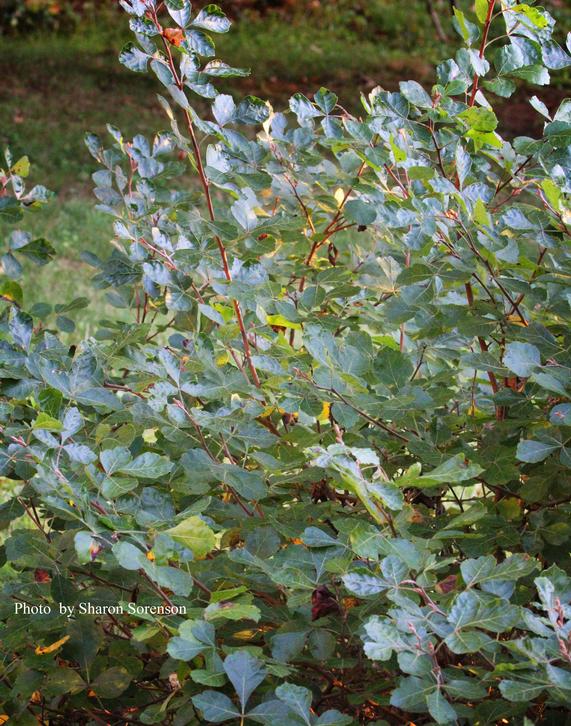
point(322, 474)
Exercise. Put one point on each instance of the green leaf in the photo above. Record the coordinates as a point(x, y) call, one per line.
point(412, 693)
point(180, 11)
point(533, 451)
point(535, 16)
point(213, 19)
point(537, 74)
point(245, 673)
point(129, 556)
point(223, 109)
point(464, 641)
point(233, 610)
point(112, 682)
point(522, 358)
point(415, 94)
point(287, 646)
point(326, 100)
point(114, 459)
point(473, 514)
point(64, 681)
point(21, 328)
point(360, 212)
point(252, 110)
point(303, 109)
point(147, 466)
point(219, 69)
point(194, 534)
point(199, 42)
point(334, 718)
point(560, 415)
point(521, 691)
point(439, 708)
point(215, 707)
point(297, 698)
point(473, 610)
point(468, 31)
point(452, 471)
point(134, 59)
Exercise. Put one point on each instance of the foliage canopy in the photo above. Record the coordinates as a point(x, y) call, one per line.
point(335, 433)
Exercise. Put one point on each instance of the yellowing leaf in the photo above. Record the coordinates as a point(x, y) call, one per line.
point(481, 10)
point(222, 359)
point(245, 634)
point(11, 291)
point(175, 36)
point(339, 196)
point(150, 436)
point(4, 718)
point(510, 508)
point(47, 422)
point(398, 153)
point(481, 215)
point(481, 138)
point(21, 167)
point(194, 534)
point(150, 556)
point(45, 649)
point(325, 412)
point(282, 322)
point(552, 193)
point(515, 319)
point(225, 310)
point(271, 409)
point(534, 15)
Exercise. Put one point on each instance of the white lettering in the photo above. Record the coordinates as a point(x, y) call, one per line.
point(67, 610)
point(24, 608)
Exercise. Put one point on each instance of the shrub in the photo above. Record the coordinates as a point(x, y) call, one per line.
point(24, 16)
point(322, 476)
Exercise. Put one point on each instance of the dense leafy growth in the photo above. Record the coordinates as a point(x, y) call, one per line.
point(322, 476)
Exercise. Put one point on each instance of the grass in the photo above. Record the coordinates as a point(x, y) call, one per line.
point(55, 88)
point(72, 226)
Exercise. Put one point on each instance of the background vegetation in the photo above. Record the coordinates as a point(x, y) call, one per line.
point(57, 45)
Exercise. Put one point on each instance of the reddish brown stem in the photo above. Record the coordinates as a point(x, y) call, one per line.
point(483, 345)
point(485, 32)
point(206, 188)
point(500, 413)
point(398, 181)
point(331, 228)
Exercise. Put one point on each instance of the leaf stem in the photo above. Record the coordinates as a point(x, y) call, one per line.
point(485, 32)
point(208, 197)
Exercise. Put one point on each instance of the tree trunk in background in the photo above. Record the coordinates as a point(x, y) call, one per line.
point(436, 20)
